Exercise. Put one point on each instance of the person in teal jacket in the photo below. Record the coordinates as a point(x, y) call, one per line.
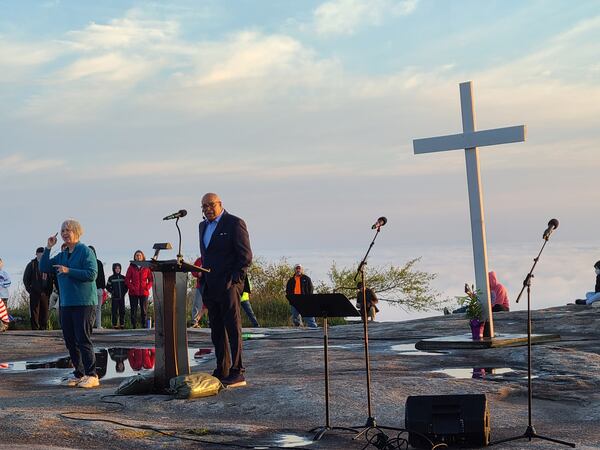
point(76, 271)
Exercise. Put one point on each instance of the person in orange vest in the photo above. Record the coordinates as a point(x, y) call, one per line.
point(300, 284)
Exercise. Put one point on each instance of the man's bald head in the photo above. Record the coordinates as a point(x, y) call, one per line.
point(211, 206)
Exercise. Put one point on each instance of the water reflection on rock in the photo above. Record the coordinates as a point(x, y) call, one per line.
point(127, 362)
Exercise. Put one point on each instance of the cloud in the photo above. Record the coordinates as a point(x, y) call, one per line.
point(345, 17)
point(123, 33)
point(111, 67)
point(251, 55)
point(17, 164)
point(19, 59)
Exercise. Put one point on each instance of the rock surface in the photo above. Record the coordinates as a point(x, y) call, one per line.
point(285, 393)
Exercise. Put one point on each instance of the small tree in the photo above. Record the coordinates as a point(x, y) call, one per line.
point(268, 292)
point(402, 286)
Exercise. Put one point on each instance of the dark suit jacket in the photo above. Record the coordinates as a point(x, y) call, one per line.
point(228, 254)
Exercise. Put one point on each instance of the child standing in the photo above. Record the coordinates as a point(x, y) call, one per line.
point(4, 284)
point(117, 288)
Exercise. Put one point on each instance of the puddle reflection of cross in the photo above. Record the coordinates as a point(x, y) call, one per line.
point(469, 140)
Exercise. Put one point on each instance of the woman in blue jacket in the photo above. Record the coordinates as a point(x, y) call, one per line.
point(76, 271)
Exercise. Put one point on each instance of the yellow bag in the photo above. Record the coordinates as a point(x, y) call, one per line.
point(196, 385)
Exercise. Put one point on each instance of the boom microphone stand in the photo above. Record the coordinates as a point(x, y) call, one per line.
point(370, 423)
point(530, 432)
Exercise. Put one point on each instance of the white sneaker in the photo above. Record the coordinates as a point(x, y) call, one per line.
point(89, 381)
point(71, 381)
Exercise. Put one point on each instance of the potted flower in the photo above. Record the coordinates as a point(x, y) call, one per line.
point(473, 311)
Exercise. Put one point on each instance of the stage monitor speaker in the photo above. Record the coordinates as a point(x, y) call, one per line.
point(462, 420)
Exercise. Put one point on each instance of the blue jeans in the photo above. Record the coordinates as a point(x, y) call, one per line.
point(250, 313)
point(591, 297)
point(197, 306)
point(297, 319)
point(77, 323)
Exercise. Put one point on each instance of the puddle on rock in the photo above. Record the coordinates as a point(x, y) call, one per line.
point(475, 372)
point(346, 346)
point(410, 349)
point(114, 362)
point(285, 440)
point(292, 440)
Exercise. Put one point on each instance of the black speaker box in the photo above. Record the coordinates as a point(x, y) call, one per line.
point(462, 420)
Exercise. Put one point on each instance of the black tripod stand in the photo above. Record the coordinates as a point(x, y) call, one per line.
point(370, 422)
point(530, 432)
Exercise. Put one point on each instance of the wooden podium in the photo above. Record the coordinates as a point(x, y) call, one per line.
point(170, 292)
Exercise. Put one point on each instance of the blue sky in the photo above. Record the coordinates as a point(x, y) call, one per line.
point(300, 115)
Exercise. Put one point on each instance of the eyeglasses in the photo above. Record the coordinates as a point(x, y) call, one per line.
point(210, 205)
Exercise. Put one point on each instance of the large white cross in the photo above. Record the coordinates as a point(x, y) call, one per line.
point(469, 140)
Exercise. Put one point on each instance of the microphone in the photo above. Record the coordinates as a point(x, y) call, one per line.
point(552, 225)
point(380, 222)
point(177, 215)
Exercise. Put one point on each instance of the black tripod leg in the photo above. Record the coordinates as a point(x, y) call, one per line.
point(534, 436)
point(365, 428)
point(322, 430)
point(557, 441)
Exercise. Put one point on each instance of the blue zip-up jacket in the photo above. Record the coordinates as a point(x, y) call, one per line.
point(78, 287)
point(4, 283)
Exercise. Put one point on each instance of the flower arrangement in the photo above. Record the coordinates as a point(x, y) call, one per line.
point(473, 311)
point(472, 303)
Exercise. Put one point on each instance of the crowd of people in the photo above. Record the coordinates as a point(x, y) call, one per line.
point(77, 276)
point(136, 283)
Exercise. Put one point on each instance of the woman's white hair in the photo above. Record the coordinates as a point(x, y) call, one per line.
point(74, 226)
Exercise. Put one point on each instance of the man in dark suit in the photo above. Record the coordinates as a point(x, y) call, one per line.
point(225, 250)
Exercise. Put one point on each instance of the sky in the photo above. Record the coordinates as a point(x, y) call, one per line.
point(301, 116)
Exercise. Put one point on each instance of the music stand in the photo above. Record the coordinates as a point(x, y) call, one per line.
point(325, 306)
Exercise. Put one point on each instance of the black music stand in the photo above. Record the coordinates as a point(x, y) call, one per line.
point(325, 306)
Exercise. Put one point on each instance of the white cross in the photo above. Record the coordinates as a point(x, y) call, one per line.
point(469, 140)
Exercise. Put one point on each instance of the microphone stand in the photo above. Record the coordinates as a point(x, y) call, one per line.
point(371, 422)
point(530, 432)
point(179, 255)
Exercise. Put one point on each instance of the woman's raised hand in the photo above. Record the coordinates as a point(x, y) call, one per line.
point(52, 240)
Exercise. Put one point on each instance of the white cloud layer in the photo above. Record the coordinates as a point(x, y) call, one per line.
point(17, 164)
point(135, 106)
point(344, 17)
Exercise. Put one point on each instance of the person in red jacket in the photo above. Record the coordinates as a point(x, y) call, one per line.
point(141, 358)
point(139, 283)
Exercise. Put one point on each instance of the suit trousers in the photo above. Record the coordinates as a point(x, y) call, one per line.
point(226, 328)
point(38, 308)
